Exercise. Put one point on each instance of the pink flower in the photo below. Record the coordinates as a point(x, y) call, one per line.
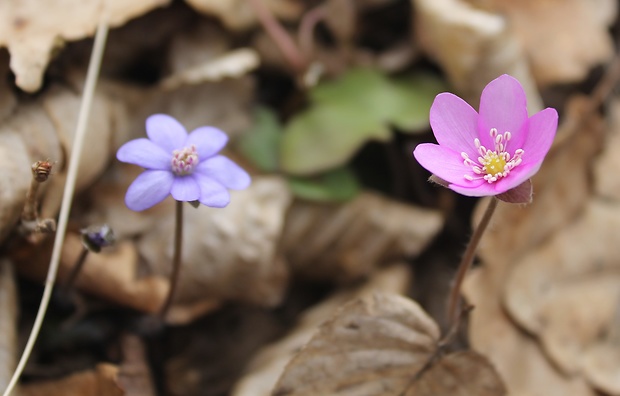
point(491, 152)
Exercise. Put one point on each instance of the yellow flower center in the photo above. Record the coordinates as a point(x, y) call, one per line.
point(492, 164)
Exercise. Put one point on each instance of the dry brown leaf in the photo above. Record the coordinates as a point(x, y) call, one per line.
point(8, 322)
point(342, 242)
point(377, 346)
point(239, 14)
point(227, 253)
point(472, 46)
point(464, 373)
point(31, 30)
point(518, 358)
point(558, 49)
point(567, 291)
point(101, 381)
point(267, 366)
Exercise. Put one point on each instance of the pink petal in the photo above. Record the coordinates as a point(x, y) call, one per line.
point(454, 123)
point(208, 140)
point(144, 153)
point(150, 188)
point(483, 190)
point(444, 163)
point(517, 176)
point(212, 193)
point(185, 188)
point(225, 172)
point(541, 130)
point(166, 132)
point(503, 105)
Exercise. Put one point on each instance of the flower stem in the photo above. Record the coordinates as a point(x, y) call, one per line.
point(466, 261)
point(176, 260)
point(76, 270)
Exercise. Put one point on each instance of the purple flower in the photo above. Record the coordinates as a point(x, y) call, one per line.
point(187, 166)
point(491, 152)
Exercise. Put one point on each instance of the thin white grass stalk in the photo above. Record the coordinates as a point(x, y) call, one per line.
point(67, 199)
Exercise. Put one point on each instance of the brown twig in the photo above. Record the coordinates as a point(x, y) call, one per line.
point(305, 35)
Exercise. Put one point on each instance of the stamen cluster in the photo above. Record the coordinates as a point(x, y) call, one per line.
point(493, 164)
point(184, 161)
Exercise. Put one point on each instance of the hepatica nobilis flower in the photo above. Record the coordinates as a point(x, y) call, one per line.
point(186, 166)
point(492, 152)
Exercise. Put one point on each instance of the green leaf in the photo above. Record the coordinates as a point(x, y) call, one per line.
point(261, 144)
point(335, 186)
point(346, 113)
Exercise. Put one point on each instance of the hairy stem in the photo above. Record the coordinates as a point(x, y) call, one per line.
point(466, 261)
point(67, 198)
point(176, 259)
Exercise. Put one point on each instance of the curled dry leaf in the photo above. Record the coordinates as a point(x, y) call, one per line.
point(382, 345)
point(268, 364)
point(101, 381)
point(558, 49)
point(239, 14)
point(346, 241)
point(557, 200)
point(567, 291)
point(8, 322)
point(227, 253)
point(472, 46)
point(31, 31)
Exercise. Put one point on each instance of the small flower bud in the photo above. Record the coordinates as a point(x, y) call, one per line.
point(96, 237)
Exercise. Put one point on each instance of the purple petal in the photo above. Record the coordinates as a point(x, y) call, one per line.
point(166, 132)
point(144, 153)
point(445, 163)
point(208, 140)
point(503, 105)
point(212, 193)
point(225, 172)
point(150, 188)
point(185, 188)
point(454, 123)
point(540, 134)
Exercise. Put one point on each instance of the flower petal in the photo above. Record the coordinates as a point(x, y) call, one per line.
point(208, 140)
point(483, 190)
point(225, 172)
point(185, 188)
point(445, 163)
point(454, 123)
point(144, 153)
point(166, 132)
point(541, 130)
point(517, 176)
point(212, 193)
point(503, 105)
point(150, 188)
